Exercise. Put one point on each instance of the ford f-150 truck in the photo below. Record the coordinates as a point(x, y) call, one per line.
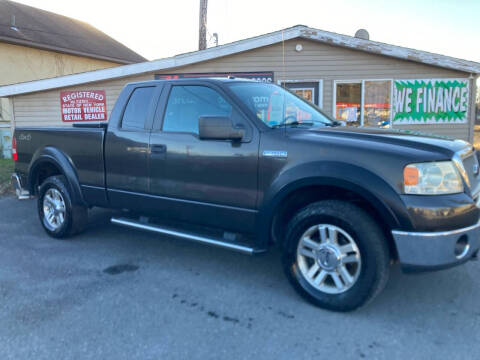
point(245, 165)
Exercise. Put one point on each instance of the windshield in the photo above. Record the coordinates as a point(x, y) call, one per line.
point(276, 106)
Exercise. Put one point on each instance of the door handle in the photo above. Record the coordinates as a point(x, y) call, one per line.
point(159, 149)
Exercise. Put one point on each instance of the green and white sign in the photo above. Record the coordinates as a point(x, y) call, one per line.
point(430, 101)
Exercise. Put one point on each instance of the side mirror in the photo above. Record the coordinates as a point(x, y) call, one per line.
point(218, 128)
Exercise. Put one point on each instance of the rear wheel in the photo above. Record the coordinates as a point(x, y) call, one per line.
point(336, 256)
point(58, 216)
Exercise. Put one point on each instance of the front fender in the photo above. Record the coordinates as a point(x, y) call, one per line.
point(61, 161)
point(358, 180)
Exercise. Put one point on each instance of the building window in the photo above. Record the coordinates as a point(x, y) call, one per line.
point(363, 102)
point(306, 93)
point(311, 90)
point(377, 103)
point(348, 103)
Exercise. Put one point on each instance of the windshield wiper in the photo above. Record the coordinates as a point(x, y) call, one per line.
point(307, 123)
point(333, 123)
point(294, 123)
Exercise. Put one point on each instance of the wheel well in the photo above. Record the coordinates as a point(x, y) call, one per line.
point(307, 195)
point(42, 172)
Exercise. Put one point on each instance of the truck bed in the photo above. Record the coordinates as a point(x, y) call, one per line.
point(84, 146)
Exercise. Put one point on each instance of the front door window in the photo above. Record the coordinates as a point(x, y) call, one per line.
point(186, 104)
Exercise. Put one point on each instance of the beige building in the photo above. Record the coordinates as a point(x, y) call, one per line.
point(358, 81)
point(37, 44)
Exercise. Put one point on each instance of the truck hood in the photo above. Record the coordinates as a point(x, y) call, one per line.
point(406, 138)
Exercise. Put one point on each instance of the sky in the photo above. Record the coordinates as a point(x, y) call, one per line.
point(162, 28)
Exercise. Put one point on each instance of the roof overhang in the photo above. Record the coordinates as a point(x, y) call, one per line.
point(35, 45)
point(299, 31)
point(394, 51)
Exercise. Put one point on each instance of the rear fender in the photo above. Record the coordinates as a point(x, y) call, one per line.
point(55, 157)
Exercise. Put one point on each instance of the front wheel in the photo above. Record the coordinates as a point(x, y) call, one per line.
point(335, 255)
point(58, 215)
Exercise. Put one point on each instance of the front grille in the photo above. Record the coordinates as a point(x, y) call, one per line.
point(471, 165)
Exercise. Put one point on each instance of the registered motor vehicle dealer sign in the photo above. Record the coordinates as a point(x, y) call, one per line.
point(83, 105)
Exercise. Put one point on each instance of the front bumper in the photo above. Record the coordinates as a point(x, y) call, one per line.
point(22, 194)
point(419, 251)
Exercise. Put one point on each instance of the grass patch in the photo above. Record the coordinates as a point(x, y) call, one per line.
point(6, 170)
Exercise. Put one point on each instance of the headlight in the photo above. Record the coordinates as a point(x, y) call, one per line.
point(432, 178)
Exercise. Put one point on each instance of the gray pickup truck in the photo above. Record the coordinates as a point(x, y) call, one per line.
point(245, 165)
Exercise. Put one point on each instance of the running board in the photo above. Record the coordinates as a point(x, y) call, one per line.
point(186, 235)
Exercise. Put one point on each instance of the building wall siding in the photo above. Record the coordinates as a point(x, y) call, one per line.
point(315, 61)
point(43, 108)
point(21, 63)
point(330, 63)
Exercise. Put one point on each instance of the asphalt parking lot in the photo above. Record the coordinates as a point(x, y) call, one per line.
point(115, 293)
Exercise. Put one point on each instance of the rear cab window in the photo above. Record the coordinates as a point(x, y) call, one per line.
point(137, 109)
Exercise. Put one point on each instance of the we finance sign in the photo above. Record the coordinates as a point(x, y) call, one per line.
point(431, 101)
point(83, 105)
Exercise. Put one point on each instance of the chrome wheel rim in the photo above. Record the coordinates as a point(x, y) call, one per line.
point(329, 258)
point(53, 209)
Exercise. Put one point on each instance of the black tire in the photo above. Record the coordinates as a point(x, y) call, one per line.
point(369, 238)
point(76, 217)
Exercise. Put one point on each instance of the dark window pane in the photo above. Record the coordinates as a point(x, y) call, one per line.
point(187, 103)
point(348, 103)
point(137, 108)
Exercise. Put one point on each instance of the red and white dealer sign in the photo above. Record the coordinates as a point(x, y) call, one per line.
point(85, 105)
